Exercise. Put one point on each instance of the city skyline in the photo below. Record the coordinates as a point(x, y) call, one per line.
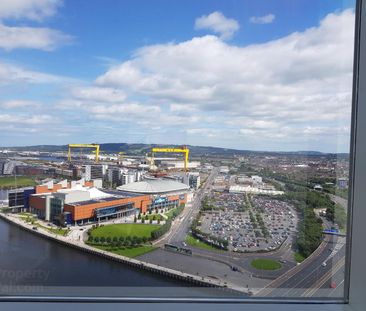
point(232, 76)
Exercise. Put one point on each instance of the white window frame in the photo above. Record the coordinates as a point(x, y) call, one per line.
point(355, 279)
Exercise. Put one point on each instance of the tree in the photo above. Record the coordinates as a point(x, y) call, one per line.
point(96, 239)
point(91, 239)
point(115, 239)
point(143, 220)
point(102, 239)
point(135, 219)
point(108, 240)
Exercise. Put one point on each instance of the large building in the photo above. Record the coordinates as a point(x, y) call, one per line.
point(163, 193)
point(113, 176)
point(82, 202)
point(94, 172)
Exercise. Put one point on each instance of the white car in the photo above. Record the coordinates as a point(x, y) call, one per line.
point(324, 264)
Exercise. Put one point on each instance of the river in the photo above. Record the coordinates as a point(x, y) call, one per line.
point(30, 260)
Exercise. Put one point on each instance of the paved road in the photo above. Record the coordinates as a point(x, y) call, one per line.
point(312, 275)
point(181, 225)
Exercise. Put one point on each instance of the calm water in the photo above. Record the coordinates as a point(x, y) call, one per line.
point(42, 262)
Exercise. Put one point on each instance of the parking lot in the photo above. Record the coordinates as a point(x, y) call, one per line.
point(262, 227)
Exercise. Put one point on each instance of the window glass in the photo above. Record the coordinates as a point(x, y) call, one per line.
point(169, 149)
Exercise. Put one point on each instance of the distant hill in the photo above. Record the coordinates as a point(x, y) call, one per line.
point(142, 149)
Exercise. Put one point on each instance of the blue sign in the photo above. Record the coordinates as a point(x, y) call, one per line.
point(105, 211)
point(160, 200)
point(330, 230)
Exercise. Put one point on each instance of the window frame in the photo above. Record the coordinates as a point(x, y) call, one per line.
point(355, 272)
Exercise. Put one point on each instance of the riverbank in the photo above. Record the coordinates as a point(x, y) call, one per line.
point(154, 268)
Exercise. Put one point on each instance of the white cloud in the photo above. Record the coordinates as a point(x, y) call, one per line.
point(218, 23)
point(207, 132)
point(35, 10)
point(26, 119)
point(266, 19)
point(14, 104)
point(100, 94)
point(14, 74)
point(31, 37)
point(279, 87)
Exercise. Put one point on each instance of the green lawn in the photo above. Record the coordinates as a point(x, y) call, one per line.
point(299, 257)
point(265, 264)
point(118, 230)
point(11, 182)
point(128, 251)
point(192, 241)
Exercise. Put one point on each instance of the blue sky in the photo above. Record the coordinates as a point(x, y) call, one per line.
point(262, 75)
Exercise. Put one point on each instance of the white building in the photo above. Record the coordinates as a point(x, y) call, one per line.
point(254, 190)
point(128, 178)
point(257, 179)
point(224, 169)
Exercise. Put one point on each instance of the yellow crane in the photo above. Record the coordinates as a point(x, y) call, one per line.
point(184, 150)
point(96, 146)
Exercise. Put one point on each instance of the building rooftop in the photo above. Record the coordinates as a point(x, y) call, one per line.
point(152, 186)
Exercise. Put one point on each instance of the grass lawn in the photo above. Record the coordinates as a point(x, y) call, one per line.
point(265, 264)
point(21, 181)
point(192, 241)
point(299, 257)
point(118, 230)
point(128, 251)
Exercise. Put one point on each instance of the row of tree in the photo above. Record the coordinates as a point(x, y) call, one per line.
point(118, 241)
point(168, 223)
point(205, 237)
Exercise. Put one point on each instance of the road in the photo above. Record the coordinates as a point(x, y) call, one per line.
point(312, 278)
point(181, 225)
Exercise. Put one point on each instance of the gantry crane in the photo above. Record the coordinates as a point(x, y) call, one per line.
point(184, 150)
point(96, 146)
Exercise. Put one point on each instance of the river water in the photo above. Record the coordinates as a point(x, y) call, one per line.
point(30, 260)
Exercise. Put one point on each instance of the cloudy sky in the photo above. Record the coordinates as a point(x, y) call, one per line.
point(259, 75)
